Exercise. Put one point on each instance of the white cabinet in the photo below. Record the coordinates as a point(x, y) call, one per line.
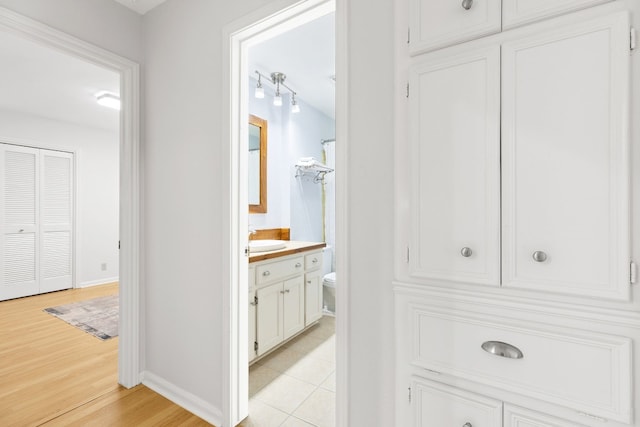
point(455, 135)
point(521, 417)
point(434, 24)
point(565, 160)
point(313, 297)
point(439, 405)
point(564, 153)
point(284, 300)
point(438, 23)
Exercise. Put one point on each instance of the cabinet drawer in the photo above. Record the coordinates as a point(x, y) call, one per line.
point(313, 261)
point(438, 405)
point(279, 270)
point(439, 23)
point(584, 371)
point(520, 417)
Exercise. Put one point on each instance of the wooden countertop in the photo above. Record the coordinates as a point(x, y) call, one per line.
point(293, 247)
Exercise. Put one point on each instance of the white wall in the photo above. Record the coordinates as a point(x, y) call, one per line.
point(97, 180)
point(186, 199)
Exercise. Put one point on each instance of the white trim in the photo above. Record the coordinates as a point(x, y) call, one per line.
point(129, 341)
point(257, 26)
point(188, 401)
point(97, 282)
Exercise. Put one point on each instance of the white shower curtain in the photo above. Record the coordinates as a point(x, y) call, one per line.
point(330, 199)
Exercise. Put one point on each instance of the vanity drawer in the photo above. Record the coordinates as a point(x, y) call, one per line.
point(313, 260)
point(278, 270)
point(438, 405)
point(584, 371)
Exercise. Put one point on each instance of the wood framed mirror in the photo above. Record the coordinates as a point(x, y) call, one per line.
point(257, 164)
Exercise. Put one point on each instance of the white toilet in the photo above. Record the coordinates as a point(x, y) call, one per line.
point(328, 281)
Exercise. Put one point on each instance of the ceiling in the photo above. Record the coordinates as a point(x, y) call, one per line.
point(306, 54)
point(141, 6)
point(43, 82)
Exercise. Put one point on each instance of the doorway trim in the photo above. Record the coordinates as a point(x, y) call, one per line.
point(129, 335)
point(264, 23)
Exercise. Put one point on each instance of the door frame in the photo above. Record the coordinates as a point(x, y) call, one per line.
point(129, 71)
point(273, 18)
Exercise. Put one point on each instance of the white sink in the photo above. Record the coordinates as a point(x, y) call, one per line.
point(266, 245)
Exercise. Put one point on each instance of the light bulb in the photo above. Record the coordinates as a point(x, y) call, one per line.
point(295, 108)
point(259, 93)
point(277, 100)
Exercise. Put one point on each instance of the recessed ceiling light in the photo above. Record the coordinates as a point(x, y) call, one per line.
point(107, 99)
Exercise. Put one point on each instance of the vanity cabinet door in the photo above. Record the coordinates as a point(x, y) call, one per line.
point(520, 417)
point(439, 23)
point(455, 149)
point(438, 405)
point(269, 329)
point(565, 160)
point(293, 306)
point(313, 297)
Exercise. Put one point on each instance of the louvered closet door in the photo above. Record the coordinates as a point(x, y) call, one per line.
point(56, 220)
point(19, 193)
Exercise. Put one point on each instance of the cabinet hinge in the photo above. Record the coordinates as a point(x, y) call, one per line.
point(409, 395)
point(407, 256)
point(633, 272)
point(407, 90)
point(255, 346)
point(408, 35)
point(255, 300)
point(246, 251)
point(632, 39)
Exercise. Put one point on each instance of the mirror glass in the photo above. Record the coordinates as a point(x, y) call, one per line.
point(257, 165)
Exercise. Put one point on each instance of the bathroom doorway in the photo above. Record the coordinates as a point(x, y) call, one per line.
point(260, 28)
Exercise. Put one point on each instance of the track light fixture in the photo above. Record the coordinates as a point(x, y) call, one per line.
point(277, 79)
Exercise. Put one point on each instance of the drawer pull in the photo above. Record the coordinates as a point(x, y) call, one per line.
point(539, 256)
point(298, 265)
point(466, 252)
point(502, 349)
point(467, 425)
point(315, 260)
point(466, 5)
point(266, 273)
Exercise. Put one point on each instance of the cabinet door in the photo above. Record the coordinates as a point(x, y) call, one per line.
point(517, 12)
point(439, 405)
point(454, 132)
point(293, 294)
point(313, 297)
point(252, 326)
point(439, 23)
point(565, 173)
point(269, 317)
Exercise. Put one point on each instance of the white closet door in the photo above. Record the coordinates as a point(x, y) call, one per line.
point(57, 220)
point(455, 150)
point(19, 193)
point(565, 160)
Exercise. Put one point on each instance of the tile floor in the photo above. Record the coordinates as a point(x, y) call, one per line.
point(295, 386)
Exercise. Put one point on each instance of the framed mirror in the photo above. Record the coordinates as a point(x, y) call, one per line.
point(257, 164)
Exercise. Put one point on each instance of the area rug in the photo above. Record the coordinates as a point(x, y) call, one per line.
point(97, 316)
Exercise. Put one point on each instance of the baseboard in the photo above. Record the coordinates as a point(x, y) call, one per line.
point(183, 398)
point(98, 282)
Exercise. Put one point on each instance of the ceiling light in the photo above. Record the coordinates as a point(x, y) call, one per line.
point(276, 79)
point(107, 99)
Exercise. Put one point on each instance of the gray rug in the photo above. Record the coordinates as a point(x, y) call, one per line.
point(97, 316)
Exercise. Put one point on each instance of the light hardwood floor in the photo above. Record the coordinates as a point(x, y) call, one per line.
point(53, 374)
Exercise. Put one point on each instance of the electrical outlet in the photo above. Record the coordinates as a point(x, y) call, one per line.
point(103, 266)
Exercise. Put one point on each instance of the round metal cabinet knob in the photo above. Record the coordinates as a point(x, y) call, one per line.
point(298, 265)
point(467, 425)
point(266, 273)
point(466, 252)
point(466, 5)
point(539, 256)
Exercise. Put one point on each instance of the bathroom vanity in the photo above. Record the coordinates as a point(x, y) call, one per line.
point(285, 294)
